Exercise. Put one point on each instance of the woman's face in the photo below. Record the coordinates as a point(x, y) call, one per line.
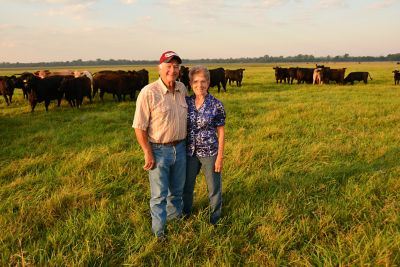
point(199, 84)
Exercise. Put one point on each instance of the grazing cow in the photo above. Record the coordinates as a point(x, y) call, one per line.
point(45, 89)
point(281, 74)
point(304, 75)
point(75, 89)
point(318, 76)
point(217, 78)
point(234, 76)
point(184, 76)
point(117, 83)
point(357, 76)
point(396, 77)
point(6, 88)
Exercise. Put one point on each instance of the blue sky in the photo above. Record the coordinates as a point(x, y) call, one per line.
point(53, 30)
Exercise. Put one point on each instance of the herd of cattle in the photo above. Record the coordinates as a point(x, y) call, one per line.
point(73, 86)
point(321, 74)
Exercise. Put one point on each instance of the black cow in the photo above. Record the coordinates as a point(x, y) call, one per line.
point(45, 89)
point(119, 84)
point(75, 89)
point(281, 74)
point(234, 76)
point(217, 78)
point(6, 88)
point(143, 77)
point(304, 75)
point(184, 76)
point(396, 76)
point(20, 82)
point(357, 76)
point(292, 75)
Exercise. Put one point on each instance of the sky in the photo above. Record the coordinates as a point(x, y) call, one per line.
point(66, 30)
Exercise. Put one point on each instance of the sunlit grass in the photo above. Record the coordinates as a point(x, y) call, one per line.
point(310, 178)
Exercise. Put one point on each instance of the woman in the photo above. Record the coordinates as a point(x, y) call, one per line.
point(205, 142)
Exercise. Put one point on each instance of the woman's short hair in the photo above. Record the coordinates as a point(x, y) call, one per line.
point(199, 69)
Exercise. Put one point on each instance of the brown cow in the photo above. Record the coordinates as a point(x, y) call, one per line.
point(6, 88)
point(336, 75)
point(118, 83)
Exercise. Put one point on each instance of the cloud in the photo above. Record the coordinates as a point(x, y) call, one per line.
point(324, 4)
point(382, 4)
point(50, 1)
point(7, 44)
point(72, 10)
point(128, 2)
point(264, 4)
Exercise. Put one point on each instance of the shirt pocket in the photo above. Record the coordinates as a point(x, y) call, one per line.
point(162, 112)
point(183, 109)
point(183, 105)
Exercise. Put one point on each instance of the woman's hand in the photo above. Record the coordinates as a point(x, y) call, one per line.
point(219, 162)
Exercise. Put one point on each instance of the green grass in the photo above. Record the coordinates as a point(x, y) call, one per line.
point(311, 177)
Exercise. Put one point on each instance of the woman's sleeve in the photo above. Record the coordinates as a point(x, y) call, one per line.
point(220, 115)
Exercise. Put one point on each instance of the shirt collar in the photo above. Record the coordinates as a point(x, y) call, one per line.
point(165, 89)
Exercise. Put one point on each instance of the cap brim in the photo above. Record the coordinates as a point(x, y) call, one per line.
point(173, 57)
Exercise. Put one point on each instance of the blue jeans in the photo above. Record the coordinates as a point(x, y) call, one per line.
point(214, 186)
point(167, 180)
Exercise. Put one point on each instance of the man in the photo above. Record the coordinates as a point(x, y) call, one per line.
point(160, 126)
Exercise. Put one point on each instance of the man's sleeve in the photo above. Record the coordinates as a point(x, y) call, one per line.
point(142, 112)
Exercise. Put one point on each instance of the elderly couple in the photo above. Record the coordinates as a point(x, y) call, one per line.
point(180, 135)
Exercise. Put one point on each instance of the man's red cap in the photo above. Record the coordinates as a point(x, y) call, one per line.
point(168, 55)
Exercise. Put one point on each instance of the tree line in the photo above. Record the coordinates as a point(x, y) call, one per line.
point(263, 59)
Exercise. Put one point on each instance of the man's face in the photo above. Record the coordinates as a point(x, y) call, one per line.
point(169, 72)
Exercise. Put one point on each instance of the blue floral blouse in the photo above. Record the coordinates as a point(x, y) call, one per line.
point(202, 124)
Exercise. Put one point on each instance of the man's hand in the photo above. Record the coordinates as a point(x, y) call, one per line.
point(149, 161)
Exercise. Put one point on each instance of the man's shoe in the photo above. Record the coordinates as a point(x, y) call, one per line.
point(161, 238)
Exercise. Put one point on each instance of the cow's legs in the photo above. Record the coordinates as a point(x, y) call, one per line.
point(46, 104)
point(6, 99)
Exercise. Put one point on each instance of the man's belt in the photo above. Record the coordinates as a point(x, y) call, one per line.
point(173, 143)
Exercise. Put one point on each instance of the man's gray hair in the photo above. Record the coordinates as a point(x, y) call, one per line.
point(199, 69)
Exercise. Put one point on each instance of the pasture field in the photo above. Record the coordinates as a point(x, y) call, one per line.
point(310, 178)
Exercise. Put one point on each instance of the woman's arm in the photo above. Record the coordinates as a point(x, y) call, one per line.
point(221, 144)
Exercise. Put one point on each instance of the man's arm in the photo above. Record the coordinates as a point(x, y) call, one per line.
point(149, 161)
